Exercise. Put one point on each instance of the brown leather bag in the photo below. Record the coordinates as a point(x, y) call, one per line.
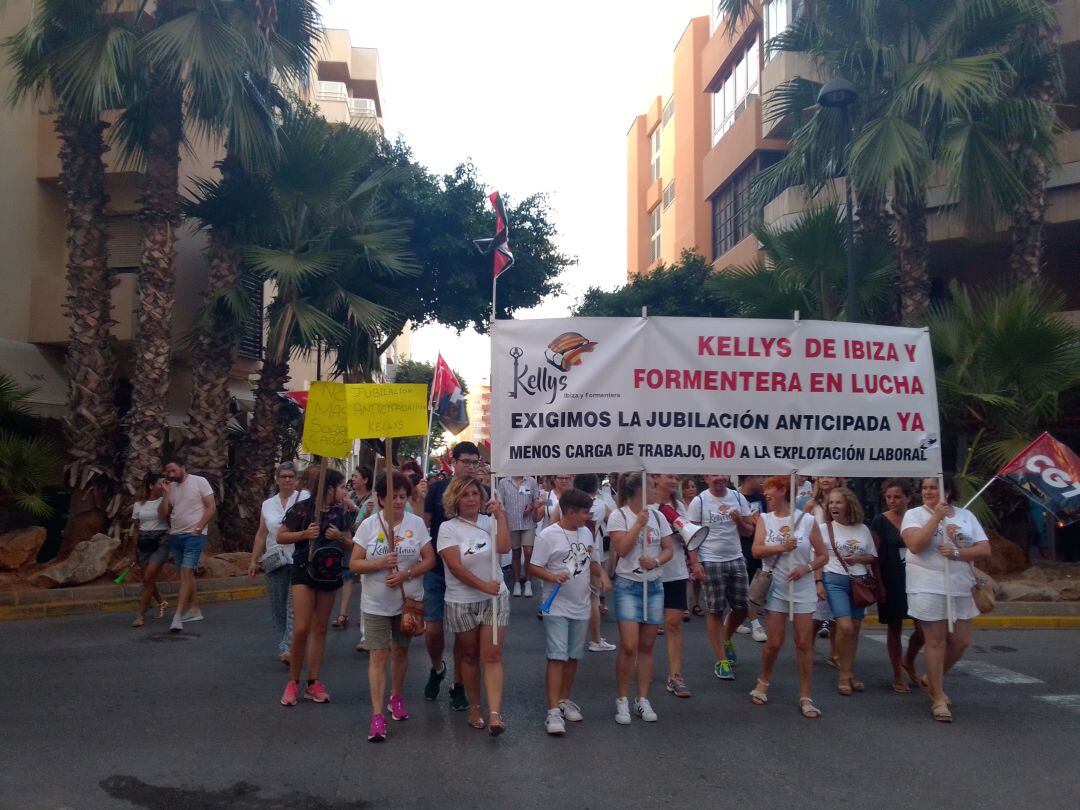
point(866, 590)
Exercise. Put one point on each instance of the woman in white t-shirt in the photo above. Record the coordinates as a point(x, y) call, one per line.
point(276, 559)
point(390, 573)
point(675, 576)
point(641, 540)
point(467, 541)
point(795, 552)
point(943, 542)
point(150, 532)
point(851, 551)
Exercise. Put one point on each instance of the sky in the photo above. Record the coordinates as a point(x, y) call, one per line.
point(540, 97)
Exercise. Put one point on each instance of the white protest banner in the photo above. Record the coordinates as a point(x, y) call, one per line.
point(701, 395)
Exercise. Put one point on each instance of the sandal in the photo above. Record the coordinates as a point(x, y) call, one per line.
point(833, 661)
point(341, 622)
point(901, 688)
point(697, 611)
point(162, 606)
point(139, 621)
point(476, 719)
point(496, 726)
point(808, 709)
point(360, 648)
point(941, 713)
point(916, 679)
point(857, 685)
point(845, 688)
point(758, 697)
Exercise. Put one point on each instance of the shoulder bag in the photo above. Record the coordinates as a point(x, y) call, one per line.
point(412, 610)
point(982, 592)
point(866, 590)
point(325, 562)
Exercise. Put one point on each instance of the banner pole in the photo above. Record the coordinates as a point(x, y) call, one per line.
point(794, 523)
point(494, 482)
point(645, 549)
point(950, 613)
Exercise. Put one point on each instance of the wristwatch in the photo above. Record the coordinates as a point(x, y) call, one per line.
point(956, 553)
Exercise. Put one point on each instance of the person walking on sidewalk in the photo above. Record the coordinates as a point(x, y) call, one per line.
point(188, 503)
point(150, 534)
point(276, 559)
point(521, 497)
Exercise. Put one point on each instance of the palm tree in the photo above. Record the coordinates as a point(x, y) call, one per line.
point(28, 461)
point(75, 54)
point(805, 269)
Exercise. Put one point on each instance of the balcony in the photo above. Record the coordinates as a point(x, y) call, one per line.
point(364, 114)
point(331, 91)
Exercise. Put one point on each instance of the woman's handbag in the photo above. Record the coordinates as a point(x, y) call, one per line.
point(412, 610)
point(275, 558)
point(149, 542)
point(759, 587)
point(867, 589)
point(982, 592)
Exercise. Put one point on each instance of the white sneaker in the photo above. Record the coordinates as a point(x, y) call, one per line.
point(644, 710)
point(570, 711)
point(528, 590)
point(603, 645)
point(554, 722)
point(192, 616)
point(742, 628)
point(177, 625)
point(622, 711)
point(758, 631)
point(517, 589)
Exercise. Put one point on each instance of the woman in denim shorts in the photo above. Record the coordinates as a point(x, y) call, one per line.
point(150, 533)
point(641, 539)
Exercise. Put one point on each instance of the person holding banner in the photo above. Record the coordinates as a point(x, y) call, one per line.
point(466, 543)
point(314, 583)
point(641, 540)
point(794, 543)
point(390, 573)
point(943, 542)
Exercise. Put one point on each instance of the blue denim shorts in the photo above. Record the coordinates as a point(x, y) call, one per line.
point(434, 594)
point(838, 589)
point(185, 549)
point(629, 598)
point(564, 639)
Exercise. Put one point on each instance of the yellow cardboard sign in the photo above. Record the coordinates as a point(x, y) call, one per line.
point(338, 413)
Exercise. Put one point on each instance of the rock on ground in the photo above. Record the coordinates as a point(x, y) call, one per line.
point(1006, 557)
point(20, 547)
point(87, 561)
point(231, 564)
point(1019, 590)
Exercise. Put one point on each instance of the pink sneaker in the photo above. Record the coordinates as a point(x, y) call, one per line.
point(291, 694)
point(397, 708)
point(317, 692)
point(377, 732)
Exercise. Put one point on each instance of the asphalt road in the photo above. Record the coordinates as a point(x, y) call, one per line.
point(94, 714)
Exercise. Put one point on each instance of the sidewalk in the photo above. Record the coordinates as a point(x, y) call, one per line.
point(40, 604)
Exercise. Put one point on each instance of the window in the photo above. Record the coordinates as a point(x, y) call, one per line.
point(732, 217)
point(125, 243)
point(779, 15)
point(655, 138)
point(655, 239)
point(738, 89)
point(669, 110)
point(669, 194)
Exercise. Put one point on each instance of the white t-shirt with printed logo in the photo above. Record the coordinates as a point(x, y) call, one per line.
point(557, 550)
point(926, 570)
point(715, 513)
point(410, 536)
point(476, 544)
point(777, 531)
point(648, 542)
point(675, 568)
point(850, 540)
point(550, 505)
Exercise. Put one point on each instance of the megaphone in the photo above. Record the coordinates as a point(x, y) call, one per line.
point(692, 534)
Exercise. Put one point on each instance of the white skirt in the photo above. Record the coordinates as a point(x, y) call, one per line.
point(930, 607)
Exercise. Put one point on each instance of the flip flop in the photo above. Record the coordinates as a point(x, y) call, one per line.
point(496, 726)
point(476, 719)
point(808, 709)
point(161, 608)
point(845, 688)
point(917, 679)
point(901, 688)
point(341, 622)
point(833, 662)
point(941, 713)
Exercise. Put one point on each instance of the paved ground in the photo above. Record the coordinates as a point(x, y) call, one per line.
point(97, 715)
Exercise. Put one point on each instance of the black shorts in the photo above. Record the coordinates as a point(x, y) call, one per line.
point(675, 595)
point(300, 577)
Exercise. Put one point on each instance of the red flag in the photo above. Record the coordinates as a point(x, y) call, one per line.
point(299, 397)
point(1048, 472)
point(504, 259)
point(448, 399)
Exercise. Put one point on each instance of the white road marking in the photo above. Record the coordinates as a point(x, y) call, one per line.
point(1067, 701)
point(979, 669)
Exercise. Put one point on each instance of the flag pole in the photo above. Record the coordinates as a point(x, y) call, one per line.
point(495, 570)
point(985, 487)
point(431, 416)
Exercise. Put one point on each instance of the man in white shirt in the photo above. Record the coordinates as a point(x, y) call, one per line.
point(188, 503)
point(726, 513)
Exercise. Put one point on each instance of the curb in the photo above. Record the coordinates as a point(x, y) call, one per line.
point(47, 610)
point(1004, 622)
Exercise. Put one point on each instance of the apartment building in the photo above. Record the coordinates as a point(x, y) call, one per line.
point(721, 81)
point(478, 401)
point(347, 86)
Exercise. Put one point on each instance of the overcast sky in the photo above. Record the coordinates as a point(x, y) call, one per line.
point(540, 96)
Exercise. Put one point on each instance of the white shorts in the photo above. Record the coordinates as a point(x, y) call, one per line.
point(930, 607)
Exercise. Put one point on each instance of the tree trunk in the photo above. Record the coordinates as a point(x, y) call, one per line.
point(256, 456)
point(212, 357)
point(90, 428)
point(913, 258)
point(160, 217)
point(1028, 221)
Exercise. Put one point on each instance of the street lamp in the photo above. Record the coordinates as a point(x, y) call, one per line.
point(840, 94)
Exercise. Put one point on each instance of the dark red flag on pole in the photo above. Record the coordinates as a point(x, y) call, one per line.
point(1048, 472)
point(500, 244)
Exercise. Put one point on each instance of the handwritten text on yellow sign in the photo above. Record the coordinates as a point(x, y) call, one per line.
point(337, 413)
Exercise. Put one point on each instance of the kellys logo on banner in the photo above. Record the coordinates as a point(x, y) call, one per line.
point(697, 395)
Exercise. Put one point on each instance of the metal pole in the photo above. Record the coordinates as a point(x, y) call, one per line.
point(645, 549)
point(794, 523)
point(950, 611)
point(852, 292)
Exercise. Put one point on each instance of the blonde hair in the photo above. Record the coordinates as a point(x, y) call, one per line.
point(456, 491)
point(818, 495)
point(851, 503)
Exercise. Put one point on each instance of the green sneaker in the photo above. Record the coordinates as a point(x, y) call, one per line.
point(723, 671)
point(431, 688)
point(459, 701)
point(729, 651)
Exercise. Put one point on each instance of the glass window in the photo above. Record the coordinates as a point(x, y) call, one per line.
point(655, 141)
point(655, 239)
point(753, 67)
point(732, 217)
point(740, 79)
point(669, 194)
point(669, 110)
point(729, 96)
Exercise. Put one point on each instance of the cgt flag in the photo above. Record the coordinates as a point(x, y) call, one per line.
point(500, 244)
point(447, 399)
point(1048, 472)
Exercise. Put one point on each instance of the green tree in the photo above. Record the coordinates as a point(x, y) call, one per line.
point(685, 288)
point(75, 53)
point(416, 371)
point(28, 461)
